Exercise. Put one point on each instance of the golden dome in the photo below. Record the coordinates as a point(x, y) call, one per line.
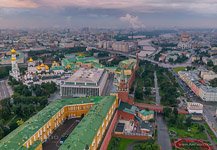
point(13, 58)
point(13, 51)
point(46, 67)
point(38, 68)
point(30, 59)
point(42, 65)
point(68, 67)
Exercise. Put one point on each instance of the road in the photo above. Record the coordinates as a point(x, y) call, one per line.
point(4, 91)
point(156, 89)
point(108, 86)
point(163, 138)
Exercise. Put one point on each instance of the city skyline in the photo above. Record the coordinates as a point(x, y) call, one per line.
point(112, 14)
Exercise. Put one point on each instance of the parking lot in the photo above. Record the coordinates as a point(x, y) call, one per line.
point(53, 142)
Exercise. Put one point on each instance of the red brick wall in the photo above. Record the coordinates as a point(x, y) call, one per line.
point(108, 135)
point(124, 97)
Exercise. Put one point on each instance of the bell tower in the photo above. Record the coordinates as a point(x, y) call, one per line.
point(15, 72)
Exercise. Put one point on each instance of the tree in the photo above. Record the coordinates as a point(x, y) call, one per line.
point(210, 63)
point(167, 111)
point(20, 122)
point(147, 91)
point(175, 112)
point(188, 121)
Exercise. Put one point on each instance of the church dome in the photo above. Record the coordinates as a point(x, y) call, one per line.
point(13, 58)
point(46, 67)
point(30, 59)
point(13, 51)
point(42, 65)
point(38, 68)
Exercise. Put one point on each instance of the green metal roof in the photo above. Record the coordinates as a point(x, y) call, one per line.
point(57, 68)
point(146, 112)
point(86, 130)
point(19, 136)
point(127, 108)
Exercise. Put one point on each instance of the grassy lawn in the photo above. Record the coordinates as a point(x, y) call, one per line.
point(124, 143)
point(194, 132)
point(177, 69)
point(119, 143)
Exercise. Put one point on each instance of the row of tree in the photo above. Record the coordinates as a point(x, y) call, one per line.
point(169, 88)
point(144, 80)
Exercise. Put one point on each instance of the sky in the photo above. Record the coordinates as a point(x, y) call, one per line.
point(108, 13)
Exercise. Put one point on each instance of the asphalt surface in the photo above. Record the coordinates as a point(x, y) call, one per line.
point(163, 138)
point(53, 142)
point(4, 91)
point(108, 86)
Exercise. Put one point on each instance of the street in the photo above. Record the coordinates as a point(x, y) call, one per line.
point(108, 86)
point(163, 138)
point(4, 91)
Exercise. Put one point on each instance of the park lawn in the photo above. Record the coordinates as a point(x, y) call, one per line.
point(193, 133)
point(177, 69)
point(124, 143)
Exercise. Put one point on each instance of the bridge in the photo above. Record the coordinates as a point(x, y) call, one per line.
point(157, 108)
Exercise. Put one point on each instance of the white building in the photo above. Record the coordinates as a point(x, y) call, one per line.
point(84, 82)
point(208, 75)
point(205, 92)
point(195, 108)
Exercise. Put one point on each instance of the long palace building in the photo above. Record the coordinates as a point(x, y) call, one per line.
point(97, 111)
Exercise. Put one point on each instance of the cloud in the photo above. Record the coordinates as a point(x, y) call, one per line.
point(133, 21)
point(142, 6)
point(18, 4)
point(198, 6)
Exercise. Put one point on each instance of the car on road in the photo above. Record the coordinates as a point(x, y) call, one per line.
point(63, 138)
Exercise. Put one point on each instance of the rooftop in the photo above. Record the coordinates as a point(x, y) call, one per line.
point(127, 108)
point(84, 75)
point(19, 136)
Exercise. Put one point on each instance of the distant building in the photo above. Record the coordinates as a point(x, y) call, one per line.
point(84, 82)
point(120, 46)
point(195, 108)
point(208, 75)
point(185, 41)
